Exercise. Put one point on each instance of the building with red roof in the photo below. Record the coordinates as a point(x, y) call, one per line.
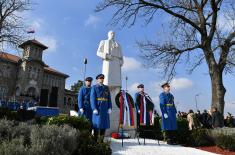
point(29, 77)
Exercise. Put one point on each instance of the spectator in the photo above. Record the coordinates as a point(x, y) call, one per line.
point(217, 118)
point(179, 114)
point(199, 116)
point(190, 119)
point(229, 121)
point(194, 122)
point(206, 119)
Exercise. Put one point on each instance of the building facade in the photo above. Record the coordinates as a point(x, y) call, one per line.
point(29, 78)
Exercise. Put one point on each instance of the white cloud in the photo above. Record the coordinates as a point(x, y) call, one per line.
point(36, 24)
point(176, 84)
point(155, 87)
point(67, 87)
point(133, 87)
point(50, 42)
point(92, 20)
point(181, 83)
point(131, 64)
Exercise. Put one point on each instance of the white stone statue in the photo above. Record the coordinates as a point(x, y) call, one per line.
point(111, 53)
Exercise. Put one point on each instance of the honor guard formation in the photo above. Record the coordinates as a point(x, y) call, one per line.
point(96, 105)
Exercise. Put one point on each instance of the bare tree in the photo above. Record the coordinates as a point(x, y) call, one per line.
point(12, 27)
point(196, 36)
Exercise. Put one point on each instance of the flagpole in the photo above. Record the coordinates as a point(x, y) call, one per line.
point(31, 33)
point(84, 76)
point(126, 82)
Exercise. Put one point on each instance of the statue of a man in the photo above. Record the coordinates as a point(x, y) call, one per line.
point(110, 51)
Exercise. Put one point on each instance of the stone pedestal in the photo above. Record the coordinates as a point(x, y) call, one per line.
point(114, 116)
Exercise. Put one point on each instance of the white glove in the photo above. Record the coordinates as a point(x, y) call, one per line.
point(165, 115)
point(95, 111)
point(81, 111)
point(139, 111)
point(109, 111)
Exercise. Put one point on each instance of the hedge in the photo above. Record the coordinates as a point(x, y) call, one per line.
point(25, 139)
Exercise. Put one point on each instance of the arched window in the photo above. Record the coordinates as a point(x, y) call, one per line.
point(34, 73)
point(30, 72)
point(8, 71)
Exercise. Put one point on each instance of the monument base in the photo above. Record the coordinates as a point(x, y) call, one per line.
point(114, 116)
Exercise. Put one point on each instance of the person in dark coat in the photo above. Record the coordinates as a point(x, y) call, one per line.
point(125, 103)
point(217, 118)
point(144, 107)
point(168, 109)
point(101, 105)
point(199, 116)
point(84, 104)
point(206, 119)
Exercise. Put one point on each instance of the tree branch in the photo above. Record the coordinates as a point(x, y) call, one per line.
point(167, 10)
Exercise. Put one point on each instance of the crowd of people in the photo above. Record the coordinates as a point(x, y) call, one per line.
point(208, 119)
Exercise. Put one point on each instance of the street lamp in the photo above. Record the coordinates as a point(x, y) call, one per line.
point(126, 82)
point(197, 95)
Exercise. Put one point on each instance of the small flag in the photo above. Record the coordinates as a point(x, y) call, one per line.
point(31, 31)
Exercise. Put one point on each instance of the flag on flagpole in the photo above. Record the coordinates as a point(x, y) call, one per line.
point(31, 31)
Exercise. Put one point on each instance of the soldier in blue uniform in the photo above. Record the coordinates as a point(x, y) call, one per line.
point(84, 105)
point(101, 105)
point(168, 109)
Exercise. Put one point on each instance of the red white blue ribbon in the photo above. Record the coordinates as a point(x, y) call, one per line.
point(126, 110)
point(143, 110)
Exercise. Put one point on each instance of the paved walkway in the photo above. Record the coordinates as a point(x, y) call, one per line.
point(131, 147)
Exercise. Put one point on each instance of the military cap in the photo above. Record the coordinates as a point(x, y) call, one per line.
point(99, 76)
point(165, 85)
point(140, 86)
point(89, 79)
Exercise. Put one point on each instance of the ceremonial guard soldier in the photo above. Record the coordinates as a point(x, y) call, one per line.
point(168, 109)
point(101, 105)
point(125, 103)
point(144, 107)
point(84, 105)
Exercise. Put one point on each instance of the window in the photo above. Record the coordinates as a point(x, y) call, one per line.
point(30, 72)
point(8, 71)
point(34, 73)
point(36, 52)
point(3, 92)
point(5, 71)
point(38, 74)
point(47, 79)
